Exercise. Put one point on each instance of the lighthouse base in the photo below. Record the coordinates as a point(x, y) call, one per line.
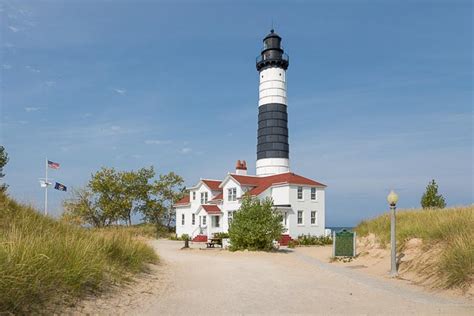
point(270, 166)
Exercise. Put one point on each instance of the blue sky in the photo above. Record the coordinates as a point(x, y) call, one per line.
point(380, 93)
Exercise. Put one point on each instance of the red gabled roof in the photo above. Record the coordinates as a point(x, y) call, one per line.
point(260, 184)
point(211, 208)
point(212, 184)
point(184, 200)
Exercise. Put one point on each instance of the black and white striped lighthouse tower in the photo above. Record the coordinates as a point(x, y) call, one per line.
point(272, 146)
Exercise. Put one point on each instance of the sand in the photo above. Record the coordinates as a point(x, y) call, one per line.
point(300, 281)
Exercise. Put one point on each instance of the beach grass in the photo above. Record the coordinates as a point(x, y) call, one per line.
point(451, 229)
point(45, 262)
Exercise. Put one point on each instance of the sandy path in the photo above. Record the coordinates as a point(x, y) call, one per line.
point(220, 282)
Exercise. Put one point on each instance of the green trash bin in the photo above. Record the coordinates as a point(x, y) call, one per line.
point(344, 243)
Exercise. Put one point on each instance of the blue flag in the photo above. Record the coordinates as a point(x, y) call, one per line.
point(60, 187)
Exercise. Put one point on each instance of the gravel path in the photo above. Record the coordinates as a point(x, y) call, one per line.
point(215, 282)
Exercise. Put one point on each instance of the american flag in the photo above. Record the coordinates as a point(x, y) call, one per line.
point(53, 165)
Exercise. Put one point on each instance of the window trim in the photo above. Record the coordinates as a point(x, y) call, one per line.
point(315, 194)
point(204, 220)
point(182, 219)
point(204, 197)
point(302, 218)
point(232, 194)
point(193, 219)
point(298, 193)
point(315, 218)
point(194, 195)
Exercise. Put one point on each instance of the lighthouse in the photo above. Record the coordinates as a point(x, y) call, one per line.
point(272, 142)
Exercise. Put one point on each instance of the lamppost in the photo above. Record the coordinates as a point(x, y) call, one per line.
point(392, 199)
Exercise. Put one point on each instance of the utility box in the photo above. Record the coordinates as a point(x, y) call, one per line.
point(344, 244)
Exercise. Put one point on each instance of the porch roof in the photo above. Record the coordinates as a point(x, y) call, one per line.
point(212, 209)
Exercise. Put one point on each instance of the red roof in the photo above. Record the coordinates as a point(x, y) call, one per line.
point(212, 184)
point(184, 200)
point(218, 197)
point(211, 209)
point(260, 184)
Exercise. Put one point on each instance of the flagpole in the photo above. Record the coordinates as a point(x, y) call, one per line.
point(46, 189)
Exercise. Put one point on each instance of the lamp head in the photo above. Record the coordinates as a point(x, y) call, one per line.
point(392, 198)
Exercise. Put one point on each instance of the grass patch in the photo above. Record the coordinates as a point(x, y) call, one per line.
point(45, 262)
point(450, 227)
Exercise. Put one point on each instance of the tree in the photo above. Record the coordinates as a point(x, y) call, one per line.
point(3, 162)
point(158, 208)
point(255, 225)
point(82, 208)
point(431, 198)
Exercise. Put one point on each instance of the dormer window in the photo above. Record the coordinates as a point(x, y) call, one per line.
point(300, 193)
point(203, 197)
point(232, 194)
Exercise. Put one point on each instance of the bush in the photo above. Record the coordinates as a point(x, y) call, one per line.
point(255, 226)
point(185, 237)
point(293, 243)
point(221, 235)
point(308, 240)
point(45, 262)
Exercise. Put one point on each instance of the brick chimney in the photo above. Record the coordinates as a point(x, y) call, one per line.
point(241, 168)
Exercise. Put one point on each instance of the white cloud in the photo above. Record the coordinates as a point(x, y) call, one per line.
point(115, 128)
point(6, 66)
point(185, 150)
point(157, 142)
point(120, 91)
point(13, 29)
point(31, 109)
point(32, 69)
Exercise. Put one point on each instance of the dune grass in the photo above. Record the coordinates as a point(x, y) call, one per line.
point(450, 228)
point(45, 262)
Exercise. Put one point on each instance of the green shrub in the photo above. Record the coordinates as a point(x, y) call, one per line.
point(221, 235)
point(293, 243)
point(185, 237)
point(309, 240)
point(45, 262)
point(255, 226)
point(450, 227)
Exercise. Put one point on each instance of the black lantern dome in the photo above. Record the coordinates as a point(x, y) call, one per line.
point(272, 54)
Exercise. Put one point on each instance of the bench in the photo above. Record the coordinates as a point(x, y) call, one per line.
point(213, 242)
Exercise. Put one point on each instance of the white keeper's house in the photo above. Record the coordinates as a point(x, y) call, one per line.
point(210, 205)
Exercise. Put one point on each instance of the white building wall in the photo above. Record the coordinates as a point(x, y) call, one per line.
point(229, 206)
point(306, 205)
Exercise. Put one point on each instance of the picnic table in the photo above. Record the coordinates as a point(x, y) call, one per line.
point(213, 242)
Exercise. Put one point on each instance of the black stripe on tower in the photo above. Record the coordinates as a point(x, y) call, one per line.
point(272, 131)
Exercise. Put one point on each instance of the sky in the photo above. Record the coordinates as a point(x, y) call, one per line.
point(379, 94)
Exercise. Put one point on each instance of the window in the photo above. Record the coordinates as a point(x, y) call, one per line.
point(313, 194)
point(232, 194)
point(182, 219)
point(193, 219)
point(285, 219)
point(204, 218)
point(215, 221)
point(230, 217)
point(194, 196)
point(300, 193)
point(203, 197)
point(300, 218)
point(314, 218)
